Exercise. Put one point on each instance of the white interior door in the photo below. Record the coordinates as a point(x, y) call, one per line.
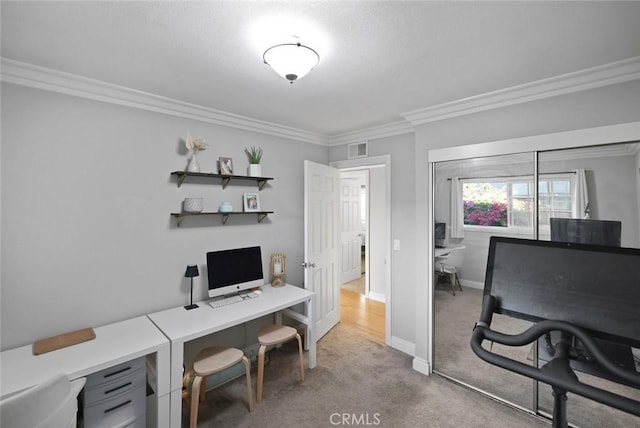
point(351, 235)
point(321, 205)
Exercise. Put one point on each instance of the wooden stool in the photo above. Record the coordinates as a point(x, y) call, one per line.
point(275, 334)
point(212, 360)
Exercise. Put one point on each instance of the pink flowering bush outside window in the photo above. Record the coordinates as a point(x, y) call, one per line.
point(485, 213)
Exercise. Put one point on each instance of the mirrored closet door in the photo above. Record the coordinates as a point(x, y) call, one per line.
point(583, 194)
point(475, 199)
point(590, 195)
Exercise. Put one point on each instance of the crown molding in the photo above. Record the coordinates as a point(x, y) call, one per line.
point(30, 75)
point(24, 74)
point(591, 78)
point(386, 130)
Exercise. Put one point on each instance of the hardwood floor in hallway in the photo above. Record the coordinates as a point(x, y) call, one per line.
point(365, 315)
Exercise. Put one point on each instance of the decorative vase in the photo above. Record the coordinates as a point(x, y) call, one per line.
point(194, 166)
point(192, 205)
point(255, 170)
point(226, 207)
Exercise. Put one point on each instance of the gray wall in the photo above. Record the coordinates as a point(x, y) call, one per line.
point(86, 194)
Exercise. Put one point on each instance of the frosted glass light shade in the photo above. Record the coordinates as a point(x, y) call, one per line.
point(292, 61)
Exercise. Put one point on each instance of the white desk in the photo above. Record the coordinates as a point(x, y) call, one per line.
point(443, 252)
point(181, 326)
point(114, 344)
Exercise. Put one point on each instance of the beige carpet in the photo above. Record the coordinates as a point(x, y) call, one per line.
point(454, 320)
point(358, 379)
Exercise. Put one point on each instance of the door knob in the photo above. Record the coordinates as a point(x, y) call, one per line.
point(308, 265)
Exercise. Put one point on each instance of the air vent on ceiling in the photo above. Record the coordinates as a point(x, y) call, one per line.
point(357, 150)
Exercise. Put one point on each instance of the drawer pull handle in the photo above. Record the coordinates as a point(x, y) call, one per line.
point(118, 372)
point(117, 388)
point(118, 406)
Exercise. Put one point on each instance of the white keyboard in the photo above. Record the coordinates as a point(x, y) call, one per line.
point(236, 298)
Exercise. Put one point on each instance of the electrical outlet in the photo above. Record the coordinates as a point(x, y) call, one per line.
point(396, 245)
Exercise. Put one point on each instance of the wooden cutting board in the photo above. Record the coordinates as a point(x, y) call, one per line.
point(63, 340)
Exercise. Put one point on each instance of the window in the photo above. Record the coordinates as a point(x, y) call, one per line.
point(555, 199)
point(509, 202)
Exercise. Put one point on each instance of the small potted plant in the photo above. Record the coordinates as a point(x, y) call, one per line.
point(255, 155)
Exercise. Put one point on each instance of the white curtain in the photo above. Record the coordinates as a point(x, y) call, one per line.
point(457, 209)
point(581, 195)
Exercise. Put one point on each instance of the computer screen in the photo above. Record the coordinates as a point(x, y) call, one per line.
point(598, 232)
point(234, 270)
point(592, 286)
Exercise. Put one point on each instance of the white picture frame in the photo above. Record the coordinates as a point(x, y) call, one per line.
point(251, 202)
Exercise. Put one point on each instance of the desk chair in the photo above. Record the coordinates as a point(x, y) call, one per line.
point(271, 335)
point(53, 403)
point(213, 360)
point(448, 265)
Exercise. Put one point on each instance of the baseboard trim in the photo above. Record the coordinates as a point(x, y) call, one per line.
point(378, 297)
point(472, 284)
point(421, 366)
point(403, 345)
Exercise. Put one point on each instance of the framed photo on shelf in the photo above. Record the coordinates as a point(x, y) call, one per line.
point(251, 202)
point(226, 166)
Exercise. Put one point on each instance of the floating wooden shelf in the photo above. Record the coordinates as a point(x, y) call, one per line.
point(225, 216)
point(181, 175)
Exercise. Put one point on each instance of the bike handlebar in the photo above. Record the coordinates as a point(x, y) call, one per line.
point(482, 331)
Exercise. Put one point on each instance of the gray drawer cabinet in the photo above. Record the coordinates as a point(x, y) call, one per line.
point(116, 397)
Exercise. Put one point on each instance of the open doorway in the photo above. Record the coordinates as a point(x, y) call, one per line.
point(364, 242)
point(354, 230)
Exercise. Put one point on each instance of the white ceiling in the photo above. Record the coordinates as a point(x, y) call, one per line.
point(378, 59)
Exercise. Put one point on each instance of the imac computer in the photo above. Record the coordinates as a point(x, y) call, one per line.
point(235, 270)
point(440, 232)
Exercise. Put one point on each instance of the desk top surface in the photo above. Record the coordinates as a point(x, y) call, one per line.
point(444, 251)
point(179, 324)
point(114, 344)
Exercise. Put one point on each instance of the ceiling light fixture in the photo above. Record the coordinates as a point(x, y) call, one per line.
point(292, 61)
